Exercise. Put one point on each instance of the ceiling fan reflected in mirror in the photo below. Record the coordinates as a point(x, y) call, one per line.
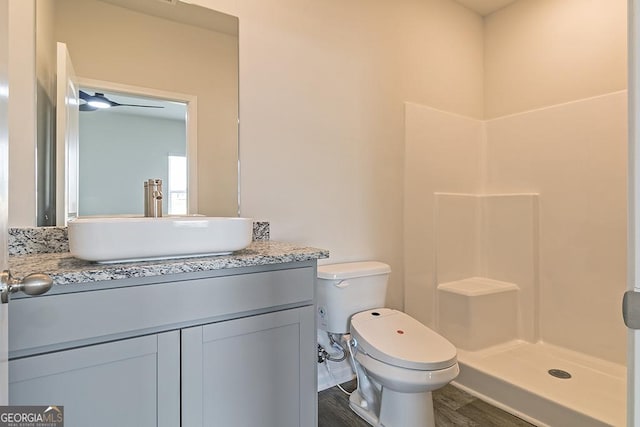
point(99, 101)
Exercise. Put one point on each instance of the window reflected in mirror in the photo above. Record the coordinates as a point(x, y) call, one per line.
point(177, 185)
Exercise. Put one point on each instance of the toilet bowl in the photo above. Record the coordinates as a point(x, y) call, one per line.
point(398, 360)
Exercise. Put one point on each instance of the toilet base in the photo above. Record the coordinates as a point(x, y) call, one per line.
point(355, 402)
point(397, 409)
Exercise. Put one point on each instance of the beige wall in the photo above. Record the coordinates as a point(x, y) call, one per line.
point(111, 43)
point(545, 52)
point(22, 114)
point(439, 54)
point(322, 86)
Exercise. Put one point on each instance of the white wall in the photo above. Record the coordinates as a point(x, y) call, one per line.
point(322, 86)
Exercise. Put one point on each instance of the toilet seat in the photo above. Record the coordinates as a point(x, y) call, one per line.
point(396, 338)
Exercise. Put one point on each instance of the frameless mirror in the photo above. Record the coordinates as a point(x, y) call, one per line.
point(154, 47)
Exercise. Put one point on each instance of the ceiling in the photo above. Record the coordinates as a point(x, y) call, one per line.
point(184, 12)
point(485, 7)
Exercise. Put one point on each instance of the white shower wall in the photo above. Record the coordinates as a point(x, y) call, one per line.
point(495, 237)
point(574, 156)
point(442, 154)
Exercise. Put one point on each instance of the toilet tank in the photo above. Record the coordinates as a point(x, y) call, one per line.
point(343, 290)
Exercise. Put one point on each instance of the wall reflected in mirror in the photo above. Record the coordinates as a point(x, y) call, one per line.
point(153, 134)
point(178, 48)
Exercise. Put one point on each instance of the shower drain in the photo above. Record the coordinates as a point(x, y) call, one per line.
point(559, 373)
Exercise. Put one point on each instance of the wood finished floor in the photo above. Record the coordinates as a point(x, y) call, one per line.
point(452, 407)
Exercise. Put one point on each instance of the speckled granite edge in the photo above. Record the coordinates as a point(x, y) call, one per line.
point(47, 240)
point(260, 231)
point(65, 269)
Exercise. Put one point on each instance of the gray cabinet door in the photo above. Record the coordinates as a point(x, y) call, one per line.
point(133, 382)
point(255, 371)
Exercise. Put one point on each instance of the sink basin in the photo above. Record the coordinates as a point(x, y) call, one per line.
point(122, 239)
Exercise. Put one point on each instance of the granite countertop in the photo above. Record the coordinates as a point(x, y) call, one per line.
point(65, 269)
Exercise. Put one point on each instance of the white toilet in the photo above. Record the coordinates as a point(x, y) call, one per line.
point(398, 360)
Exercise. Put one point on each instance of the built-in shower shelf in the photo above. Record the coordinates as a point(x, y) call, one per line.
point(478, 312)
point(475, 286)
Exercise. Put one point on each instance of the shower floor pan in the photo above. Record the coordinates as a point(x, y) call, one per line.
point(515, 377)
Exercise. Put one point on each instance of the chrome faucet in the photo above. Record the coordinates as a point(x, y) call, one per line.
point(153, 198)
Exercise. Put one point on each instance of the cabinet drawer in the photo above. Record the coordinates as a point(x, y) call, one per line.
point(49, 323)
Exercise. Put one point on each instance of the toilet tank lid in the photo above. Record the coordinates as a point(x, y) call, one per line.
point(349, 270)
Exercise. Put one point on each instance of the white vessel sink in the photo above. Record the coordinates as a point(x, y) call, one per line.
point(122, 239)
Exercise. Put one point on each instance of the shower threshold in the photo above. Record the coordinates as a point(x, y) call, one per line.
point(516, 377)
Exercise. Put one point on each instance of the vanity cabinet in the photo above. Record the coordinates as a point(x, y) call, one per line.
point(232, 347)
point(111, 384)
point(248, 372)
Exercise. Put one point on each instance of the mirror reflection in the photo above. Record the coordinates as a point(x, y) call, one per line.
point(179, 48)
point(151, 131)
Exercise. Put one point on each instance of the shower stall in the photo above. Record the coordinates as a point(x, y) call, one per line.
point(522, 262)
point(516, 222)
